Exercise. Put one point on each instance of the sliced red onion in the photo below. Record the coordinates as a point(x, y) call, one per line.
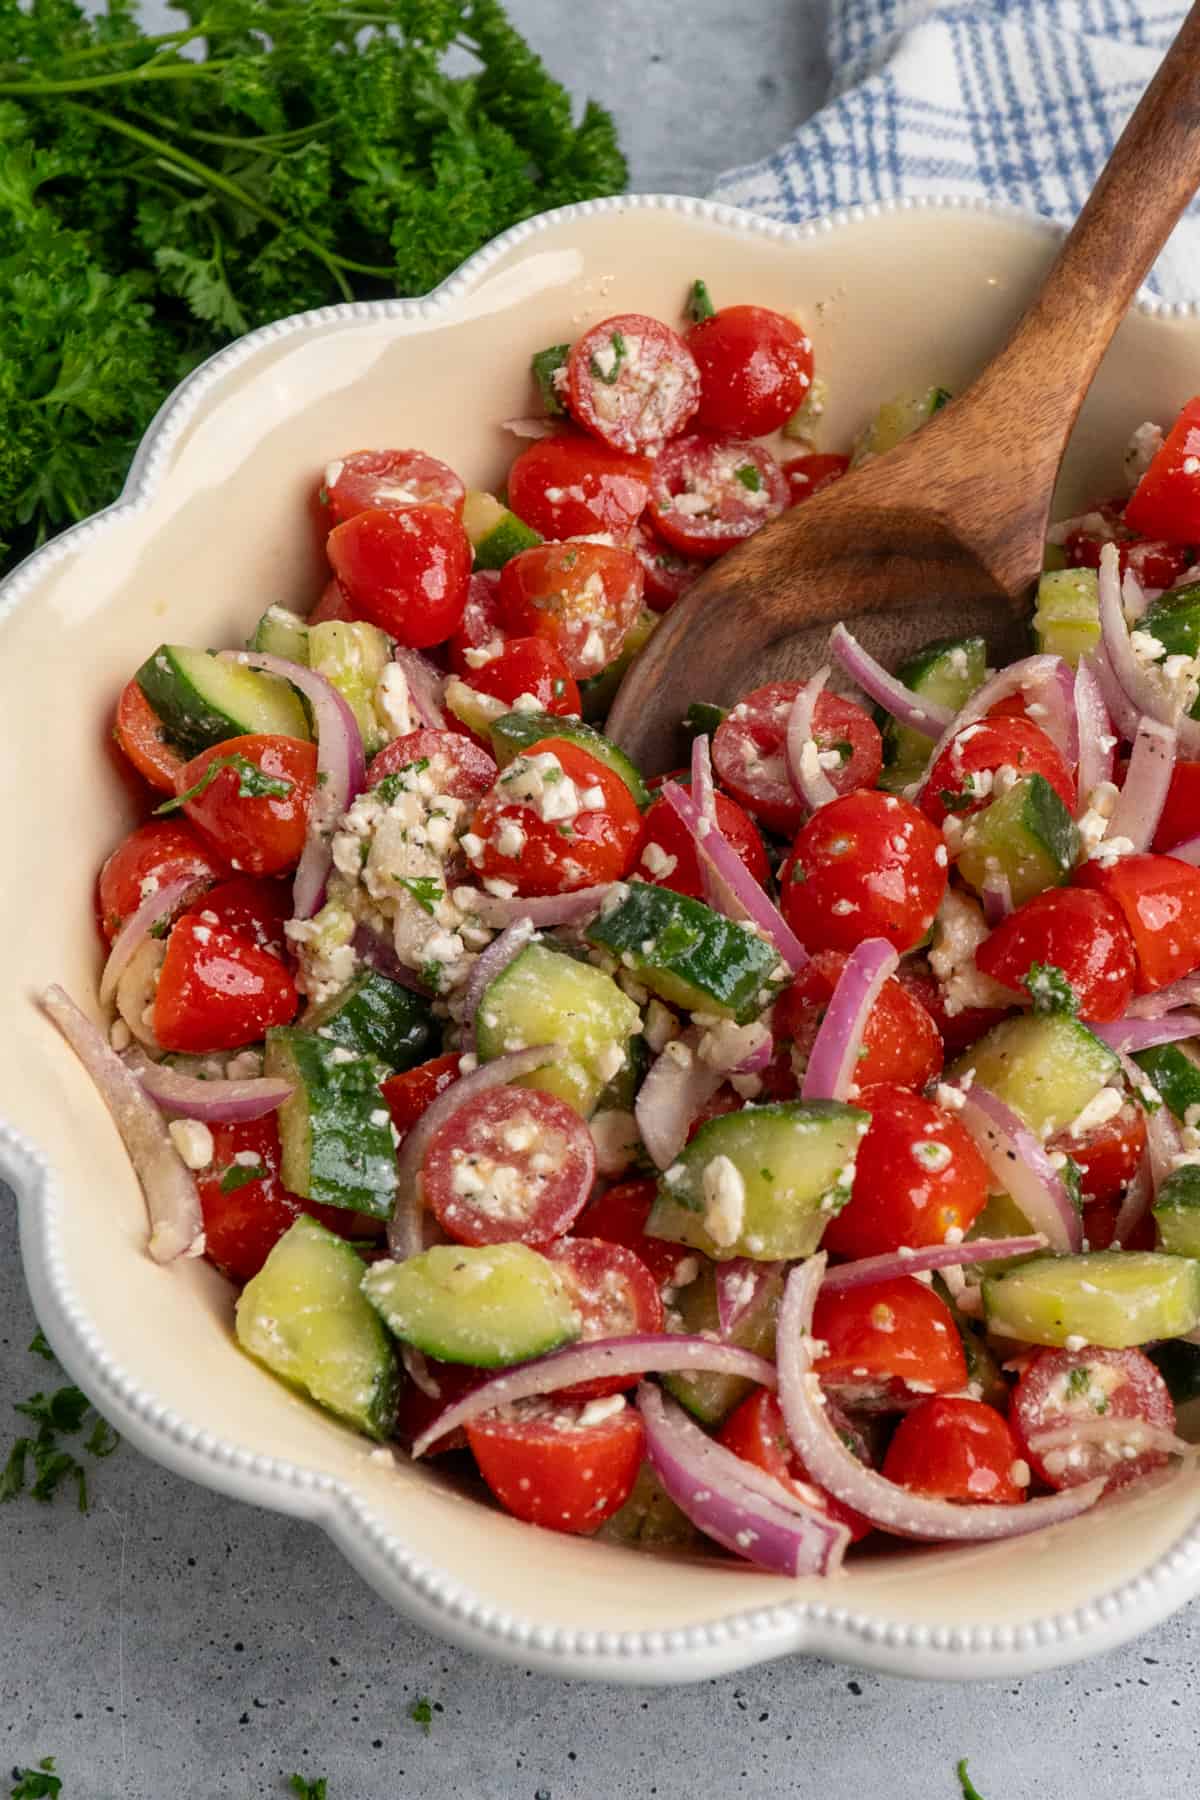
point(1139, 806)
point(498, 911)
point(215, 1102)
point(406, 1228)
point(380, 955)
point(1163, 1142)
point(1134, 597)
point(772, 1528)
point(1132, 1034)
point(806, 774)
point(703, 789)
point(642, 1353)
point(530, 428)
point(676, 1087)
point(750, 900)
point(1188, 851)
point(870, 1269)
point(1022, 1168)
point(832, 1466)
point(1143, 689)
point(493, 961)
point(417, 1366)
point(1135, 1433)
point(1123, 714)
point(739, 1284)
point(996, 895)
point(172, 1202)
point(341, 770)
point(426, 685)
point(1185, 992)
point(137, 927)
point(1137, 1201)
point(1040, 676)
point(925, 716)
point(137, 988)
point(833, 1059)
point(1094, 729)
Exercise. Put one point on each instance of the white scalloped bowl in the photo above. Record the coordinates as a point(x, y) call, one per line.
point(211, 528)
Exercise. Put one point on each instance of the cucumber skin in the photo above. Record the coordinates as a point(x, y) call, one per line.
point(377, 1016)
point(275, 637)
point(191, 722)
point(496, 533)
point(597, 692)
point(1025, 1305)
point(549, 990)
point(700, 959)
point(513, 733)
point(1177, 1212)
point(332, 1149)
point(711, 1398)
point(927, 672)
point(1174, 1074)
point(1174, 620)
point(419, 1304)
point(1030, 833)
point(1017, 1060)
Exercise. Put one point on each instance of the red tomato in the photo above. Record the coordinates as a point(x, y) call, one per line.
point(139, 731)
point(917, 1177)
point(956, 1449)
point(619, 1217)
point(160, 851)
point(1180, 816)
point(615, 1295)
point(1075, 930)
point(1100, 1228)
point(368, 480)
point(749, 758)
point(756, 1432)
point(217, 991)
point(867, 865)
point(458, 766)
point(887, 1345)
point(1108, 1157)
point(406, 569)
point(254, 809)
point(1166, 501)
point(557, 856)
point(1155, 563)
point(755, 370)
point(410, 1094)
point(333, 604)
point(256, 910)
point(979, 750)
point(569, 486)
point(901, 1043)
point(480, 628)
point(957, 1030)
point(417, 1410)
point(1160, 900)
point(546, 1467)
point(513, 1165)
point(807, 475)
point(583, 597)
point(667, 573)
point(667, 854)
point(632, 382)
point(528, 665)
point(707, 494)
point(1065, 1389)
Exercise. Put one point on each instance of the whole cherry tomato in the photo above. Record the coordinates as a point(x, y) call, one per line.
point(952, 1448)
point(570, 486)
point(158, 852)
point(1159, 897)
point(249, 797)
point(546, 1466)
point(867, 865)
point(756, 1432)
point(807, 475)
point(887, 1345)
point(405, 569)
point(1075, 930)
point(528, 665)
point(961, 779)
point(917, 1177)
point(668, 857)
point(218, 991)
point(755, 370)
point(583, 597)
point(901, 1043)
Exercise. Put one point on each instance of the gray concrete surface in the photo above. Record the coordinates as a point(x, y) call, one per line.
point(172, 1645)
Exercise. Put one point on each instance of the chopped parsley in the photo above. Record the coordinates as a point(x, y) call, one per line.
point(749, 477)
point(953, 801)
point(425, 890)
point(239, 1175)
point(431, 974)
point(36, 1784)
point(1079, 1382)
point(308, 1790)
point(938, 398)
point(395, 784)
point(969, 1790)
point(545, 365)
point(253, 783)
point(1072, 1180)
point(699, 302)
point(39, 1464)
point(39, 1347)
point(421, 1713)
point(1049, 989)
point(620, 351)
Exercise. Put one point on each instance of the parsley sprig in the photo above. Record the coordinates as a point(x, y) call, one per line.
point(253, 783)
point(39, 1464)
point(36, 1784)
point(307, 1790)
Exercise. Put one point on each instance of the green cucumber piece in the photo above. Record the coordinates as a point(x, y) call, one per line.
point(352, 655)
point(379, 1017)
point(805, 422)
point(1046, 1066)
point(1179, 1365)
point(702, 718)
point(1174, 620)
point(895, 420)
point(487, 1305)
point(545, 365)
point(985, 1378)
point(515, 732)
point(794, 1165)
point(650, 1519)
point(711, 1398)
point(1066, 620)
point(688, 954)
point(547, 997)
point(1027, 835)
point(202, 700)
point(947, 671)
point(281, 633)
point(1177, 1212)
point(496, 534)
point(597, 692)
point(1175, 1071)
point(1110, 1298)
point(334, 1131)
point(621, 1092)
point(303, 1317)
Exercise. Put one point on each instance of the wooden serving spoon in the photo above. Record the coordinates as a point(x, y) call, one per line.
point(951, 524)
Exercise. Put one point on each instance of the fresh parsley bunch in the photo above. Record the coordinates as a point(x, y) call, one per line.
point(162, 194)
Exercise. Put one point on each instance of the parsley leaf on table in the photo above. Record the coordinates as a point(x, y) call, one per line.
point(36, 1784)
point(60, 1414)
point(307, 1790)
point(421, 1713)
point(969, 1790)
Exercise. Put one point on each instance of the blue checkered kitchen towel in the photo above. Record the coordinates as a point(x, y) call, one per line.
point(1014, 101)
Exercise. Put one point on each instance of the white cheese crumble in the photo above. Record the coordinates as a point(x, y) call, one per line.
point(724, 1201)
point(194, 1142)
point(391, 701)
point(958, 931)
point(1103, 1106)
point(542, 784)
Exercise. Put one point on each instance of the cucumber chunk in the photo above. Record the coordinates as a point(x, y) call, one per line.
point(281, 633)
point(304, 1317)
point(985, 1378)
point(804, 426)
point(702, 718)
point(334, 1131)
point(1111, 1298)
point(792, 1168)
point(688, 954)
point(650, 1519)
point(379, 1017)
point(496, 534)
point(202, 700)
point(1175, 1072)
point(515, 732)
point(1174, 620)
point(710, 1398)
point(1046, 1066)
point(487, 1305)
point(547, 997)
point(1027, 835)
point(947, 671)
point(1066, 621)
point(545, 365)
point(597, 692)
point(352, 655)
point(1177, 1212)
point(895, 420)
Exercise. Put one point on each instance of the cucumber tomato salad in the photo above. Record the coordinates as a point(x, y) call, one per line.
point(801, 1146)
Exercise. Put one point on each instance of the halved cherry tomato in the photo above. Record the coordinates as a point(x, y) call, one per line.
point(512, 1165)
point(668, 857)
point(1100, 1221)
point(957, 1030)
point(255, 910)
point(1061, 1389)
point(959, 780)
point(755, 1431)
point(1160, 900)
point(546, 1466)
point(614, 1294)
point(1155, 563)
point(1166, 501)
point(749, 758)
point(571, 849)
point(458, 766)
point(528, 665)
point(887, 1346)
point(405, 569)
point(901, 1043)
point(707, 494)
point(867, 865)
point(619, 1217)
point(139, 731)
point(1108, 1157)
point(632, 382)
point(479, 632)
point(755, 370)
point(412, 1092)
point(367, 479)
point(217, 991)
point(583, 597)
point(951, 1448)
point(1180, 816)
point(1075, 930)
point(569, 486)
point(333, 604)
point(807, 475)
point(160, 851)
point(917, 1177)
point(667, 572)
point(254, 808)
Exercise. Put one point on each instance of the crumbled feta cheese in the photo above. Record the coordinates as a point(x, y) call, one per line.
point(660, 1025)
point(1111, 850)
point(119, 1035)
point(615, 1135)
point(958, 931)
point(391, 701)
point(503, 890)
point(1103, 1106)
point(510, 838)
point(931, 1155)
point(526, 703)
point(1143, 446)
point(596, 1411)
point(949, 1096)
point(1075, 1342)
point(333, 472)
point(194, 1142)
point(479, 655)
point(724, 1201)
point(541, 783)
point(656, 860)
